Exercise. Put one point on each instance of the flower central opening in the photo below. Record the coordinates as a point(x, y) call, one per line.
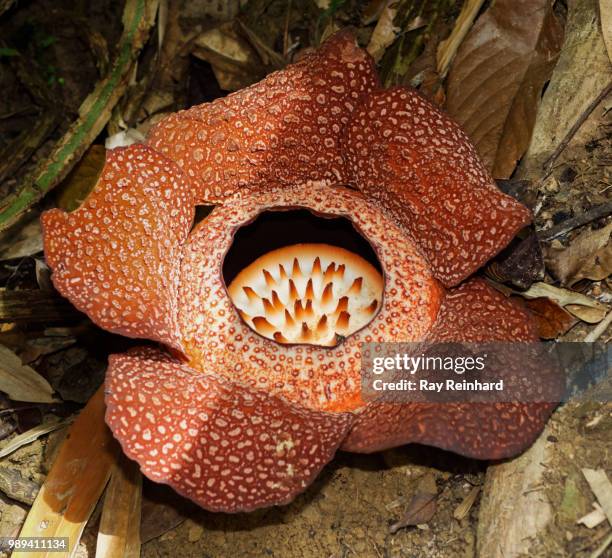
point(313, 293)
point(307, 293)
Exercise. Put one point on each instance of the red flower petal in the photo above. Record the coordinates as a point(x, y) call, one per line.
point(286, 127)
point(216, 339)
point(409, 155)
point(473, 312)
point(117, 256)
point(226, 447)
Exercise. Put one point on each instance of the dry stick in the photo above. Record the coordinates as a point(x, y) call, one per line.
point(596, 333)
point(593, 214)
point(575, 127)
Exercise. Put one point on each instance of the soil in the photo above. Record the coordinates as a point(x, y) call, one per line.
point(347, 512)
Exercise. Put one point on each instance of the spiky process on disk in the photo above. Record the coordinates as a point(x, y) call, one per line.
point(308, 293)
point(259, 393)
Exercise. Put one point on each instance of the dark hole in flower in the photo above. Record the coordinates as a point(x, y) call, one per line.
point(276, 229)
point(297, 277)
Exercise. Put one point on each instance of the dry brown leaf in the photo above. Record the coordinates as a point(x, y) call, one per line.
point(421, 507)
point(119, 533)
point(385, 31)
point(498, 73)
point(551, 320)
point(20, 382)
point(587, 314)
point(584, 308)
point(234, 62)
point(372, 11)
point(466, 504)
point(76, 480)
point(23, 239)
point(589, 256)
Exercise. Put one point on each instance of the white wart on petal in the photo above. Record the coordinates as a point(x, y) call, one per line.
point(226, 447)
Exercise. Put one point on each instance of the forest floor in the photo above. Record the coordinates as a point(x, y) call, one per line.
point(530, 83)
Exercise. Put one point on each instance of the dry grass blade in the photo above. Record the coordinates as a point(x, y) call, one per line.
point(602, 488)
point(119, 534)
point(75, 482)
point(448, 48)
point(30, 435)
point(22, 383)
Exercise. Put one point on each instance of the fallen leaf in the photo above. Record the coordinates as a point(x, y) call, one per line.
point(421, 507)
point(20, 382)
point(233, 60)
point(520, 264)
point(551, 320)
point(594, 518)
point(584, 308)
point(385, 31)
point(589, 256)
point(497, 76)
point(30, 435)
point(119, 532)
point(466, 504)
point(76, 187)
point(370, 13)
point(23, 239)
point(587, 314)
point(76, 480)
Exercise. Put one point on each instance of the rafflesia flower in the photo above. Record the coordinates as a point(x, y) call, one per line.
point(255, 385)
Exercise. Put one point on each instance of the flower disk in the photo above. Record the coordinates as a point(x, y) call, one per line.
point(307, 293)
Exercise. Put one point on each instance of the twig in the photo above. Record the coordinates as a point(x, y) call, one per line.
point(589, 216)
point(576, 126)
point(596, 333)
